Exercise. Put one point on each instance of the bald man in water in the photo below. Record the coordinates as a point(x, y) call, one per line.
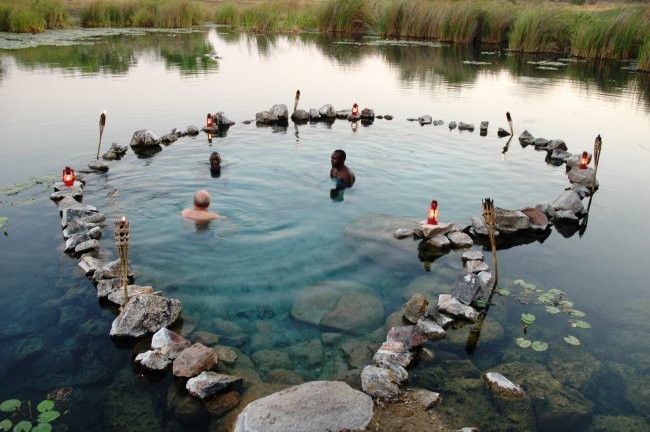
point(199, 213)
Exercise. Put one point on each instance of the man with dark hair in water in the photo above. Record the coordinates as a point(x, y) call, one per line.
point(215, 164)
point(343, 175)
point(199, 213)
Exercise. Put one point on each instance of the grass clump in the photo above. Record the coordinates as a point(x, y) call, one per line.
point(644, 55)
point(142, 13)
point(615, 34)
point(32, 16)
point(542, 29)
point(347, 16)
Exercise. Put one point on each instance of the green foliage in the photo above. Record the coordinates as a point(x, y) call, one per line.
point(142, 13)
point(539, 346)
point(346, 16)
point(523, 342)
point(14, 408)
point(32, 16)
point(227, 13)
point(644, 54)
point(527, 318)
point(542, 29)
point(572, 340)
point(615, 34)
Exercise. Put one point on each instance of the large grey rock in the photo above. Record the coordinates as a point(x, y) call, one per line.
point(86, 246)
point(467, 287)
point(341, 305)
point(70, 214)
point(568, 200)
point(90, 264)
point(510, 221)
point(327, 111)
point(425, 119)
point(393, 352)
point(584, 177)
point(97, 165)
point(410, 336)
point(144, 138)
point(460, 240)
point(153, 360)
point(379, 382)
point(452, 306)
point(317, 406)
point(415, 308)
point(502, 386)
point(117, 295)
point(472, 255)
point(112, 270)
point(208, 383)
point(430, 328)
point(145, 313)
point(538, 219)
point(430, 230)
point(73, 192)
point(526, 138)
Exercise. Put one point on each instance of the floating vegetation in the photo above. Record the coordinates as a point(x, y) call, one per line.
point(22, 203)
point(539, 346)
point(24, 418)
point(3, 223)
point(477, 63)
point(552, 310)
point(527, 318)
point(580, 324)
point(503, 291)
point(526, 285)
point(572, 340)
point(576, 313)
point(523, 342)
point(15, 189)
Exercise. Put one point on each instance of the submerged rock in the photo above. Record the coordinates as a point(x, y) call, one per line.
point(502, 386)
point(312, 406)
point(145, 313)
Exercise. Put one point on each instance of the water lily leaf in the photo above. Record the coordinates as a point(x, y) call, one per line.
point(520, 282)
point(522, 342)
point(45, 405)
point(546, 298)
point(28, 201)
point(581, 324)
point(43, 427)
point(48, 416)
point(503, 291)
point(576, 313)
point(555, 291)
point(572, 340)
point(10, 405)
point(23, 426)
point(552, 310)
point(539, 346)
point(527, 318)
point(566, 303)
point(5, 425)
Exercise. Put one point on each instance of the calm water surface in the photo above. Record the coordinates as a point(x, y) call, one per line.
point(281, 232)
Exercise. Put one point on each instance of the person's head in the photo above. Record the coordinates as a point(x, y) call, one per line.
point(215, 160)
point(202, 199)
point(338, 158)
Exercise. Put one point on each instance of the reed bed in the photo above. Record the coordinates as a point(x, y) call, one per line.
point(32, 16)
point(142, 13)
point(542, 29)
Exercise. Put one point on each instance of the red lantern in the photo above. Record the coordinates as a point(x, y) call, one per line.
point(209, 121)
point(355, 110)
point(68, 177)
point(584, 160)
point(433, 213)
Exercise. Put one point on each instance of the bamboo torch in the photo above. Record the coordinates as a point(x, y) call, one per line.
point(490, 222)
point(598, 145)
point(102, 123)
point(295, 102)
point(509, 122)
point(122, 234)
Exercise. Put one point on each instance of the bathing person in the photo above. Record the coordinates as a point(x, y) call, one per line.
point(215, 164)
point(199, 213)
point(343, 175)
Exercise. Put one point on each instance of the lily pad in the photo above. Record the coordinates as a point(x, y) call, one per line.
point(48, 416)
point(522, 342)
point(576, 313)
point(42, 427)
point(45, 405)
point(555, 291)
point(527, 318)
point(23, 426)
point(5, 425)
point(503, 291)
point(10, 405)
point(581, 324)
point(546, 298)
point(3, 222)
point(552, 310)
point(572, 340)
point(566, 303)
point(539, 346)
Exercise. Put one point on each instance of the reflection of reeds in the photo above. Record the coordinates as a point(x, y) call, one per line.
point(644, 55)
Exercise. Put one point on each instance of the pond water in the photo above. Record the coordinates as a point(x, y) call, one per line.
point(281, 233)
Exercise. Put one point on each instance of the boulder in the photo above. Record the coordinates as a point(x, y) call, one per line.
point(465, 126)
point(74, 192)
point(410, 336)
point(341, 305)
point(467, 287)
point(427, 399)
point(145, 313)
point(568, 200)
point(430, 230)
point(452, 125)
point(144, 138)
point(452, 306)
point(537, 218)
point(393, 352)
point(501, 132)
point(502, 386)
point(207, 384)
point(169, 343)
point(430, 328)
point(526, 138)
point(425, 119)
point(153, 360)
point(379, 382)
point(460, 240)
point(309, 407)
point(97, 165)
point(89, 264)
point(327, 111)
point(415, 308)
point(193, 360)
point(510, 221)
point(472, 255)
point(584, 177)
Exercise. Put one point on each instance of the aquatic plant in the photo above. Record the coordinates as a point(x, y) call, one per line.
point(33, 16)
point(3, 223)
point(21, 418)
point(539, 346)
point(542, 29)
point(142, 13)
point(572, 340)
point(527, 318)
point(345, 16)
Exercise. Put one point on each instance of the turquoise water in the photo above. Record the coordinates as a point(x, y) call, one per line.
point(280, 231)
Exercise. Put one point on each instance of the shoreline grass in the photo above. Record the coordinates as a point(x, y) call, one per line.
point(619, 31)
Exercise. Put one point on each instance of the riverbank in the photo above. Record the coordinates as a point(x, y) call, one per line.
point(601, 30)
